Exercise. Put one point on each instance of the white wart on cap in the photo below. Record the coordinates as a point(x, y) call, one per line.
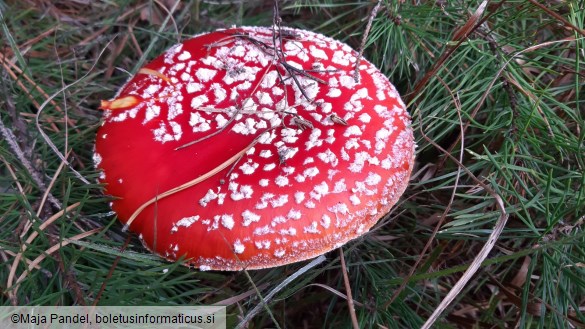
point(292, 157)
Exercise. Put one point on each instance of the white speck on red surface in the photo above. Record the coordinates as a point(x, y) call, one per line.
point(295, 182)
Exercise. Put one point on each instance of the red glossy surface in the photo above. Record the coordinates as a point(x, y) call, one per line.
point(297, 192)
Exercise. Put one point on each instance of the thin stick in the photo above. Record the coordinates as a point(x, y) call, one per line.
point(238, 111)
point(500, 223)
point(48, 100)
point(459, 37)
point(9, 66)
point(339, 294)
point(356, 74)
point(50, 186)
point(111, 271)
point(12, 293)
point(238, 298)
point(220, 130)
point(36, 177)
point(447, 209)
point(558, 17)
point(189, 184)
point(487, 93)
point(28, 261)
point(485, 250)
point(279, 51)
point(170, 16)
point(49, 251)
point(279, 287)
point(44, 198)
point(350, 305)
point(13, 175)
point(154, 41)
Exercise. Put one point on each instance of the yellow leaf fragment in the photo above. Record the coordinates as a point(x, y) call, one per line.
point(120, 103)
point(155, 73)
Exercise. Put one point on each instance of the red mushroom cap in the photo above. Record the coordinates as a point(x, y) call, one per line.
point(249, 148)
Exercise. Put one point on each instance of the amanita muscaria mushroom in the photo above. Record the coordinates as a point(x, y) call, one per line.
point(252, 148)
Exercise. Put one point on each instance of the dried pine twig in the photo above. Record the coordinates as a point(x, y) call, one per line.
point(441, 220)
point(49, 251)
point(485, 250)
point(273, 292)
point(24, 246)
point(187, 185)
point(34, 174)
point(373, 14)
point(350, 305)
point(460, 36)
